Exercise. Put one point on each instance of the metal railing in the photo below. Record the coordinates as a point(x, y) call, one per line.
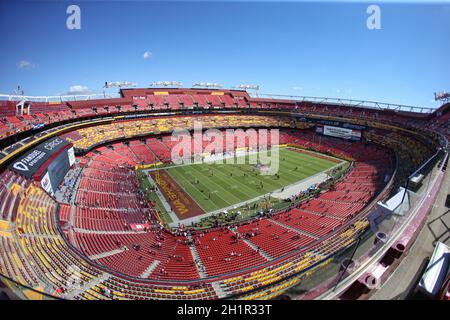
point(60, 98)
point(350, 103)
point(328, 100)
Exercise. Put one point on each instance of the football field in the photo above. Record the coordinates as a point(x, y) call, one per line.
point(213, 186)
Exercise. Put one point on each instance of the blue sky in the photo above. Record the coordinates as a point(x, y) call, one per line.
point(298, 48)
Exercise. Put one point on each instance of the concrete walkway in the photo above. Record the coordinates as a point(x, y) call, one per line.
point(436, 228)
point(106, 254)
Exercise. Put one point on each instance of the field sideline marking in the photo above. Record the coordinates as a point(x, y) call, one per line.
point(222, 175)
point(210, 213)
point(278, 188)
point(206, 211)
point(227, 202)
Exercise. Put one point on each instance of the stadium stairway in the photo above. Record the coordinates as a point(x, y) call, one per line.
point(255, 247)
point(106, 254)
point(294, 229)
point(151, 152)
point(113, 232)
point(198, 261)
point(220, 289)
point(152, 267)
point(81, 290)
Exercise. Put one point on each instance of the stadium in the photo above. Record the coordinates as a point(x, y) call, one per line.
point(206, 192)
point(93, 206)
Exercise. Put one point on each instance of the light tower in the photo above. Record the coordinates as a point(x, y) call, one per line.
point(117, 84)
point(166, 84)
point(254, 87)
point(442, 96)
point(207, 85)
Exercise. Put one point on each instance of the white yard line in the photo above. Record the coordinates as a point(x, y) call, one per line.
point(149, 269)
point(207, 161)
point(288, 191)
point(303, 182)
point(105, 254)
point(195, 188)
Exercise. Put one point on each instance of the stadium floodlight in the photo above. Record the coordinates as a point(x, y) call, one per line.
point(119, 84)
point(207, 85)
point(109, 84)
point(19, 91)
point(166, 84)
point(129, 84)
point(248, 86)
point(441, 96)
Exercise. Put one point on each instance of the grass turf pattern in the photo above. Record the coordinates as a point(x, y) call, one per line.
point(223, 185)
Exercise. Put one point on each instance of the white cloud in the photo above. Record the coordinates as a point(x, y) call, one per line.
point(297, 88)
point(147, 55)
point(79, 89)
point(25, 65)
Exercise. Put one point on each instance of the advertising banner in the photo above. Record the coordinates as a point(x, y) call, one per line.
point(342, 133)
point(32, 160)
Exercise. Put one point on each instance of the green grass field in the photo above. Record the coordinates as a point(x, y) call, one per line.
point(223, 185)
